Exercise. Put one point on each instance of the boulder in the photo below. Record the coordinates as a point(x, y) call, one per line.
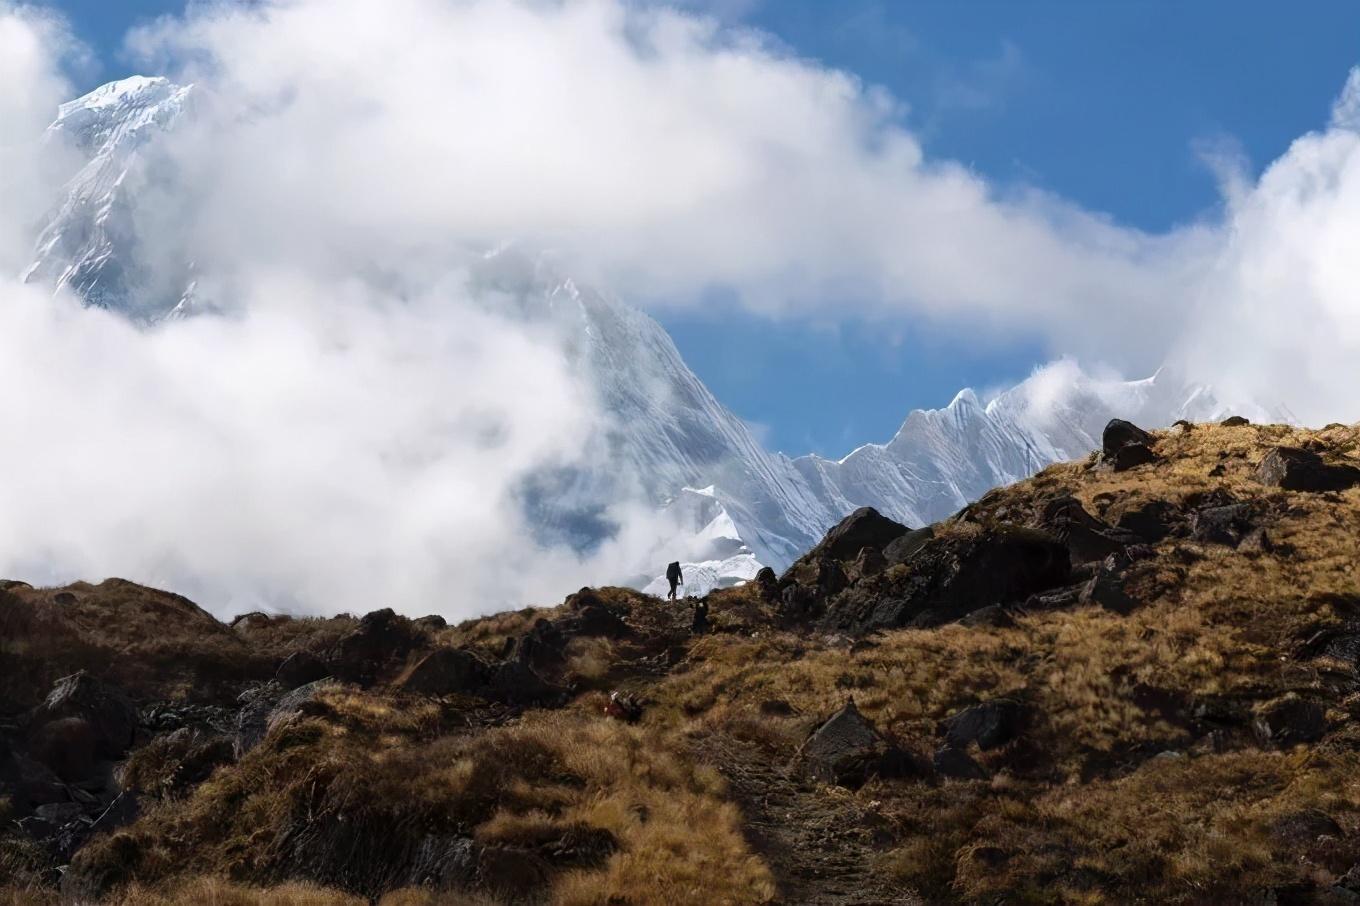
point(868, 562)
point(989, 724)
point(1222, 524)
point(431, 623)
point(446, 671)
point(380, 641)
point(1295, 469)
point(247, 623)
point(956, 763)
point(299, 669)
point(1290, 719)
point(542, 646)
point(1151, 521)
point(267, 706)
point(865, 527)
point(953, 575)
point(846, 750)
point(1106, 589)
point(901, 549)
point(593, 621)
point(1119, 434)
point(1131, 456)
point(68, 745)
point(993, 616)
point(1234, 421)
point(1087, 538)
point(110, 716)
point(1124, 445)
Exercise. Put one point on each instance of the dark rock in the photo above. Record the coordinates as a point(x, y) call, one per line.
point(267, 706)
point(8, 584)
point(299, 669)
point(542, 646)
point(516, 683)
point(989, 724)
point(253, 720)
point(956, 763)
point(64, 598)
point(865, 527)
point(822, 577)
point(446, 671)
point(594, 621)
point(246, 623)
point(1106, 590)
point(767, 583)
point(993, 617)
point(1119, 434)
point(1151, 521)
point(953, 575)
point(68, 745)
point(1131, 456)
point(869, 562)
point(1222, 524)
point(380, 641)
point(431, 623)
point(846, 750)
point(1290, 719)
point(110, 715)
point(1303, 470)
point(900, 550)
point(1234, 421)
point(1087, 538)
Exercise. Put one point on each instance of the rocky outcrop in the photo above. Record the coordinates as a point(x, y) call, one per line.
point(109, 720)
point(952, 575)
point(446, 671)
point(847, 750)
point(1124, 445)
point(1295, 469)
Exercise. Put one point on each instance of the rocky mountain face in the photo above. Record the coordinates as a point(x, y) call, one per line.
point(1133, 677)
point(668, 434)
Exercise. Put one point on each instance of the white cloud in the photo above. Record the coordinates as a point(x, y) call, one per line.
point(356, 431)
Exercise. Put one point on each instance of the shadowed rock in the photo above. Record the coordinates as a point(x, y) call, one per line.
point(111, 717)
point(445, 672)
point(1290, 719)
point(1295, 469)
point(847, 750)
point(989, 724)
point(299, 669)
point(953, 575)
point(865, 527)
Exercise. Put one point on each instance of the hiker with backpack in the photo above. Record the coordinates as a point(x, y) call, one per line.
point(675, 577)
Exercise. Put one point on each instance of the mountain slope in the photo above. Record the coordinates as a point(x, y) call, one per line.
point(1097, 685)
point(666, 431)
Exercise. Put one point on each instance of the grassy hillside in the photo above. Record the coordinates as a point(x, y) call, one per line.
point(1101, 685)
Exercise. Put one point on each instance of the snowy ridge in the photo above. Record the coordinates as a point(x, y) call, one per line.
point(667, 434)
point(90, 240)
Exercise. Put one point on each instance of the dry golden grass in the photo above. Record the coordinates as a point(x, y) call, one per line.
point(1082, 809)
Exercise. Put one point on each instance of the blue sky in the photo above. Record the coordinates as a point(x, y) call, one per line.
point(1107, 104)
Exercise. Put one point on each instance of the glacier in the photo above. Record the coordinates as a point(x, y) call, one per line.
point(726, 505)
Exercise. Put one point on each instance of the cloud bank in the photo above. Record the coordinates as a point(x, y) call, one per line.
point(357, 427)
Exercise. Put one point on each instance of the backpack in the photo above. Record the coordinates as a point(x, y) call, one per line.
point(673, 571)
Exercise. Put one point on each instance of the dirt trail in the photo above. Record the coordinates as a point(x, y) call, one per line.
point(820, 846)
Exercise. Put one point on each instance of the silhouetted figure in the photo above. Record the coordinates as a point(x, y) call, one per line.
point(675, 577)
point(700, 618)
